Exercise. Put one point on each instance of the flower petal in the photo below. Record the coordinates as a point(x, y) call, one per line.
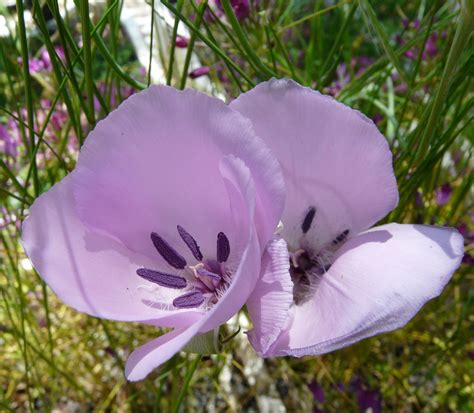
point(89, 271)
point(378, 282)
point(156, 352)
point(241, 192)
point(270, 302)
point(333, 159)
point(153, 164)
point(242, 195)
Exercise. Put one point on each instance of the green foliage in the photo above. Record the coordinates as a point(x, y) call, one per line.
point(415, 79)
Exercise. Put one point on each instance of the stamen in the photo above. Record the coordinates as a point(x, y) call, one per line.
point(189, 300)
point(294, 257)
point(190, 242)
point(210, 279)
point(308, 220)
point(169, 254)
point(223, 247)
point(320, 266)
point(162, 278)
point(341, 237)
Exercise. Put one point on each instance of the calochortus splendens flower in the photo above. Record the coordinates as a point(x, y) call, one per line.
point(328, 280)
point(163, 220)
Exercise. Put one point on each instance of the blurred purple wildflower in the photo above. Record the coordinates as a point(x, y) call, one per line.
point(8, 141)
point(317, 390)
point(241, 8)
point(469, 242)
point(200, 71)
point(115, 98)
point(43, 62)
point(431, 47)
point(377, 118)
point(443, 194)
point(182, 42)
point(7, 218)
point(60, 53)
point(411, 54)
point(45, 59)
point(358, 66)
point(366, 398)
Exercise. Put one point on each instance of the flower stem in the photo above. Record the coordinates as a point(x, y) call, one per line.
point(461, 38)
point(187, 380)
point(229, 12)
point(192, 40)
point(28, 91)
point(86, 46)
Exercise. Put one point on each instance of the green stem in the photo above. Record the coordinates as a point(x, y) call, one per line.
point(187, 380)
point(86, 47)
point(113, 63)
point(229, 12)
point(211, 44)
point(331, 63)
point(461, 38)
point(28, 90)
point(169, 73)
point(192, 40)
point(152, 29)
point(312, 16)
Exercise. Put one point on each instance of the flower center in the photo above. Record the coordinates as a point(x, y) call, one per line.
point(202, 283)
point(307, 267)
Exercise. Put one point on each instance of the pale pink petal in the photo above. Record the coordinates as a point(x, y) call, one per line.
point(153, 164)
point(270, 302)
point(378, 282)
point(333, 158)
point(241, 192)
point(147, 357)
point(91, 272)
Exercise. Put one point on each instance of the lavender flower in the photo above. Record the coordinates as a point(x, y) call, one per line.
point(8, 141)
point(162, 221)
point(443, 194)
point(317, 390)
point(241, 8)
point(182, 42)
point(327, 280)
point(200, 71)
point(369, 400)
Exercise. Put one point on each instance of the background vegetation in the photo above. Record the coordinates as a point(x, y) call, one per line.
point(406, 64)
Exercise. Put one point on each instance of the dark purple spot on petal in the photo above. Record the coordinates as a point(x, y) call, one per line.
point(169, 254)
point(162, 278)
point(223, 247)
point(308, 220)
point(189, 300)
point(341, 237)
point(190, 242)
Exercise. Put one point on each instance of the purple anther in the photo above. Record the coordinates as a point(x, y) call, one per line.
point(223, 247)
point(162, 278)
point(190, 242)
point(210, 279)
point(169, 254)
point(189, 300)
point(308, 220)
